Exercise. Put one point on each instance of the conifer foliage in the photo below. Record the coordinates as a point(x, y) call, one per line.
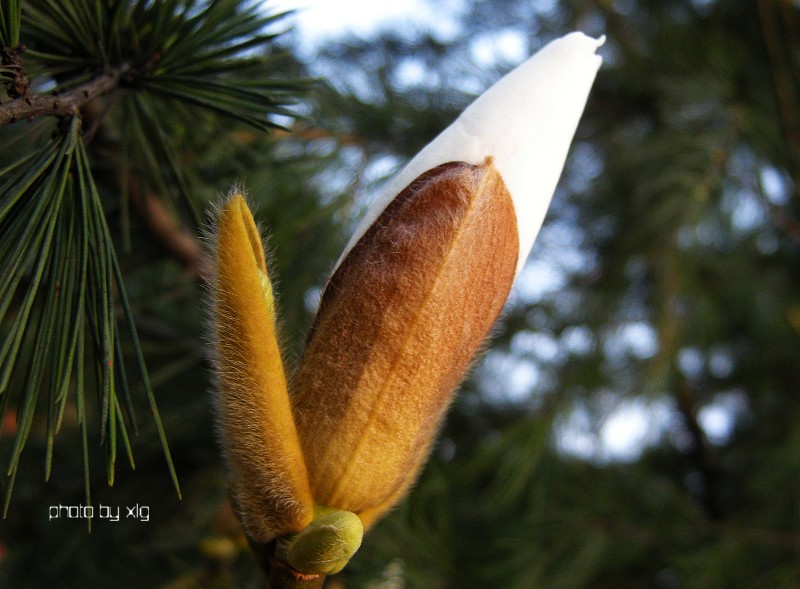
point(103, 90)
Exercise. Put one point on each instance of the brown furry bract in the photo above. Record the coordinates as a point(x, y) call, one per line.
point(397, 327)
point(267, 483)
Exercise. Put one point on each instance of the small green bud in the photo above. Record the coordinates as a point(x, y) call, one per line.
point(326, 545)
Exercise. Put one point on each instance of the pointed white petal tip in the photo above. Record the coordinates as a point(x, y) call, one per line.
point(526, 122)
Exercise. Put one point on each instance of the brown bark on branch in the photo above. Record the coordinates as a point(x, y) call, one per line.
point(68, 103)
point(180, 243)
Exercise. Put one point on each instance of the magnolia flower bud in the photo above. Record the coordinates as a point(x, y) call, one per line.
point(408, 306)
point(425, 276)
point(396, 329)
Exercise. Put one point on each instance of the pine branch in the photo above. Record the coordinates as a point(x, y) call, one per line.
point(181, 244)
point(68, 103)
point(700, 453)
point(782, 75)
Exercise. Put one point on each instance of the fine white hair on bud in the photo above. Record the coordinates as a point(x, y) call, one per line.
point(525, 123)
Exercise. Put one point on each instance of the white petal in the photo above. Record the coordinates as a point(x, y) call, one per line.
point(526, 121)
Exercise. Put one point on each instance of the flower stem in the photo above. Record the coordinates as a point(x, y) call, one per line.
point(279, 574)
point(282, 577)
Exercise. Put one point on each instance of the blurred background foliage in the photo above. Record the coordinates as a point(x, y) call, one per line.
point(636, 419)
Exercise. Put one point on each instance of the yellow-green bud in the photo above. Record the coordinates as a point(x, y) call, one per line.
point(326, 545)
